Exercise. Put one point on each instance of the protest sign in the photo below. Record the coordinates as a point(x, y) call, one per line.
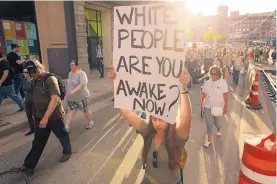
point(150, 43)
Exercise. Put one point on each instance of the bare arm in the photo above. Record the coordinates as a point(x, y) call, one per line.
point(4, 76)
point(185, 117)
point(131, 117)
point(226, 77)
point(225, 96)
point(51, 106)
point(204, 95)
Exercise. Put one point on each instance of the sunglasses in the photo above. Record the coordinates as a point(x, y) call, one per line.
point(155, 159)
point(25, 72)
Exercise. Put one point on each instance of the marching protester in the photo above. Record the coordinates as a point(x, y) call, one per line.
point(237, 67)
point(77, 95)
point(17, 65)
point(257, 54)
point(6, 83)
point(219, 63)
point(224, 69)
point(99, 61)
point(163, 154)
point(28, 84)
point(214, 101)
point(49, 112)
point(192, 58)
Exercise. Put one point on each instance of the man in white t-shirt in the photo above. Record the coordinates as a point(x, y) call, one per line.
point(215, 94)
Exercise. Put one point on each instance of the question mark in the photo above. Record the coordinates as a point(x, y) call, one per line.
point(172, 103)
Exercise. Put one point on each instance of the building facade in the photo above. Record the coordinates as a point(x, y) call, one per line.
point(258, 26)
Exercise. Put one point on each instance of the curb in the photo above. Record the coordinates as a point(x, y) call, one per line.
point(20, 125)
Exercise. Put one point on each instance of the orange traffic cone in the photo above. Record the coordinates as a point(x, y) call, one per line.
point(249, 97)
point(258, 163)
point(255, 105)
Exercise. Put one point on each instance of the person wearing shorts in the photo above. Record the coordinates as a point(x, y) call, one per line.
point(77, 95)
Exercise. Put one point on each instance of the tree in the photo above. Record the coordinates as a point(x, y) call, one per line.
point(210, 35)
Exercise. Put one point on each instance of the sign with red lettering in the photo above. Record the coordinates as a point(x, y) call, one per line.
point(150, 43)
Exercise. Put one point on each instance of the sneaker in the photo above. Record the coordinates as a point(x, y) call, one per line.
point(21, 110)
point(29, 133)
point(90, 125)
point(65, 157)
point(218, 134)
point(206, 145)
point(66, 129)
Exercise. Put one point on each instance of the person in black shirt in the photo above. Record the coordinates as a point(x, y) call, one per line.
point(17, 64)
point(6, 83)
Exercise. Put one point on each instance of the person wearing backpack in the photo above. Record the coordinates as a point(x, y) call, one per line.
point(6, 83)
point(163, 154)
point(49, 115)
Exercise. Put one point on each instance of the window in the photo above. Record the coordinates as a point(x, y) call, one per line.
point(94, 24)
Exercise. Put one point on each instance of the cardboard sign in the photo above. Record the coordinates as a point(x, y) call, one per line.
point(150, 43)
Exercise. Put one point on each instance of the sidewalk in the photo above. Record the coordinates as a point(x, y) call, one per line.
point(254, 122)
point(11, 121)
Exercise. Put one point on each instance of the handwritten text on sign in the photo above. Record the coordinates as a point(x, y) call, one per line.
point(149, 55)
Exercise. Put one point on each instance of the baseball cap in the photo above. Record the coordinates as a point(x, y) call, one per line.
point(14, 45)
point(31, 66)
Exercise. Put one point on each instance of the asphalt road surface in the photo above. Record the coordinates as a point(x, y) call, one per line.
point(109, 153)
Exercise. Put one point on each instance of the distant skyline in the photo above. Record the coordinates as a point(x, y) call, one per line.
point(209, 7)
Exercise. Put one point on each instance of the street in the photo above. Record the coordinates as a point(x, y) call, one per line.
point(109, 153)
point(141, 56)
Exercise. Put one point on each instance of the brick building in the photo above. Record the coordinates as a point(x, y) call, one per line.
point(258, 26)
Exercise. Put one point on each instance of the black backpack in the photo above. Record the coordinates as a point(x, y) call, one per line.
point(60, 83)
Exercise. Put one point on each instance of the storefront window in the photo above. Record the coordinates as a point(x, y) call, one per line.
point(94, 25)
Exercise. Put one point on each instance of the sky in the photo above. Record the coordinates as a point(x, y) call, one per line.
point(209, 7)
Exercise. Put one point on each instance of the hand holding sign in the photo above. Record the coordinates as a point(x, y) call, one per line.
point(184, 79)
point(112, 74)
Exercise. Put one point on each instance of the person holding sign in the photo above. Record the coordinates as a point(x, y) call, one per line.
point(163, 153)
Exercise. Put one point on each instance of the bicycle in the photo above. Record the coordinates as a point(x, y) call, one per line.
point(14, 176)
